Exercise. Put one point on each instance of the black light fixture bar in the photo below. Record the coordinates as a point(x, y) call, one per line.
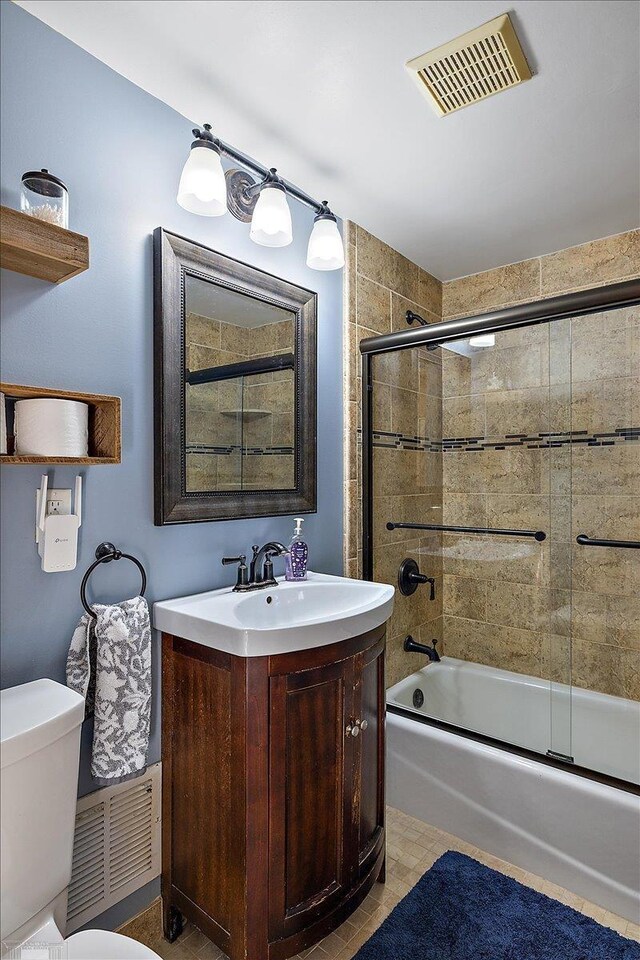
point(261, 171)
point(538, 535)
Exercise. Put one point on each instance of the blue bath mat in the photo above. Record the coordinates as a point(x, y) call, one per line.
point(462, 910)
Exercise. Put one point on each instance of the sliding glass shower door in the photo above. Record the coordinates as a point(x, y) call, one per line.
point(491, 456)
point(604, 533)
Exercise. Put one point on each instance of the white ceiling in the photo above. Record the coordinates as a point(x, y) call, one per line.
point(319, 90)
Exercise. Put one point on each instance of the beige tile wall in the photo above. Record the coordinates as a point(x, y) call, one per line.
point(508, 603)
point(608, 260)
point(514, 604)
point(212, 343)
point(380, 286)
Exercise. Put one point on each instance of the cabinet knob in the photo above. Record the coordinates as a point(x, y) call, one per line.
point(353, 729)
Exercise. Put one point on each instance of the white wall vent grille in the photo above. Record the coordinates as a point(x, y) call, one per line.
point(116, 847)
point(472, 67)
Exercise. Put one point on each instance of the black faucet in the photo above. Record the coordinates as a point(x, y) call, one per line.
point(265, 579)
point(252, 578)
point(412, 646)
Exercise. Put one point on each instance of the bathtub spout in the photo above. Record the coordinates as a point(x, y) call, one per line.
point(412, 646)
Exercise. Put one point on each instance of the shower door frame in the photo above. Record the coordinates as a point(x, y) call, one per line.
point(596, 300)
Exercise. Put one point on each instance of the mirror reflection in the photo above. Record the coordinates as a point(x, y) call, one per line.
point(239, 391)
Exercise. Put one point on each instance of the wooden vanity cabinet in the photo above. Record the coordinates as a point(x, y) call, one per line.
point(273, 791)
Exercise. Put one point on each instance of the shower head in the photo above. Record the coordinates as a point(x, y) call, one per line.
point(412, 317)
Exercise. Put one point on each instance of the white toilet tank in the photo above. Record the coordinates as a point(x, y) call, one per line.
point(39, 751)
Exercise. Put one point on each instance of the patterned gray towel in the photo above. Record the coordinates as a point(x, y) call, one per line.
point(113, 653)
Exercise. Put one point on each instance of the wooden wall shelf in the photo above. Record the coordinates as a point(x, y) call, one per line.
point(40, 249)
point(105, 445)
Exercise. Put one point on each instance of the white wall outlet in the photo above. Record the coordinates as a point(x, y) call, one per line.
point(58, 502)
point(57, 527)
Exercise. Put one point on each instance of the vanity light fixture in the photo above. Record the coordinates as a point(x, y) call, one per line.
point(203, 188)
point(271, 220)
point(207, 190)
point(325, 250)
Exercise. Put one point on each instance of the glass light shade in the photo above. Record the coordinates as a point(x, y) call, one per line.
point(203, 188)
point(271, 221)
point(483, 340)
point(325, 250)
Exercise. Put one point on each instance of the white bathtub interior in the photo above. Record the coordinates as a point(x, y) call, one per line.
point(517, 709)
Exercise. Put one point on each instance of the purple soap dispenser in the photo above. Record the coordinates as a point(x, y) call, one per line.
point(297, 555)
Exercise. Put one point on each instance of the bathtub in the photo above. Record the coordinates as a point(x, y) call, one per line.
point(575, 831)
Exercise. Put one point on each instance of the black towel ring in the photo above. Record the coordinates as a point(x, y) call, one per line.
point(105, 553)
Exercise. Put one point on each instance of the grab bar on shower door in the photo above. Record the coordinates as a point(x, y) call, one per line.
point(586, 541)
point(538, 535)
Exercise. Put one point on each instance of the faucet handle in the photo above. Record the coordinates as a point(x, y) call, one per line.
point(243, 573)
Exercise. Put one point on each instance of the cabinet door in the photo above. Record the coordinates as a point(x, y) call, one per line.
point(369, 704)
point(310, 794)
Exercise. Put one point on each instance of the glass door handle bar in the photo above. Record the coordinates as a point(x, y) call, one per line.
point(586, 541)
point(538, 535)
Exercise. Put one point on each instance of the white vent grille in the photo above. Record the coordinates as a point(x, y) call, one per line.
point(472, 67)
point(116, 848)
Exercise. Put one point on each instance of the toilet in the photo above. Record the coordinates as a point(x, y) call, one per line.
point(39, 753)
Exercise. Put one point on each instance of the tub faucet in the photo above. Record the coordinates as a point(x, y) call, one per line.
point(412, 646)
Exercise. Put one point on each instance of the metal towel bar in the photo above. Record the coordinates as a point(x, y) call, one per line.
point(586, 541)
point(538, 535)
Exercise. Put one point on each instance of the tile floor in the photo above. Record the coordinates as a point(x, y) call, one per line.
point(412, 847)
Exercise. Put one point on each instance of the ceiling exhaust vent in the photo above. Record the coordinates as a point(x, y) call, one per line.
point(472, 67)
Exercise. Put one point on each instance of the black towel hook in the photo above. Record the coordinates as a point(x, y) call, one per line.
point(105, 553)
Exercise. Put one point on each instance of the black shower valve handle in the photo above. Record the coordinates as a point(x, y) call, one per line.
point(409, 578)
point(423, 578)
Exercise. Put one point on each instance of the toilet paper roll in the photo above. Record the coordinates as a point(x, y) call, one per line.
point(52, 428)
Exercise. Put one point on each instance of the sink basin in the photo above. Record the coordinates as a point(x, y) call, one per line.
point(292, 616)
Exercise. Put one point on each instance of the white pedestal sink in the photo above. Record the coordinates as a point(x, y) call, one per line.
point(291, 616)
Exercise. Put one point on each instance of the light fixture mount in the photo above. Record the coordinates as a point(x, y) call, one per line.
point(240, 202)
point(243, 191)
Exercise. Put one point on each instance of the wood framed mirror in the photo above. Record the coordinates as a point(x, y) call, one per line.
point(235, 388)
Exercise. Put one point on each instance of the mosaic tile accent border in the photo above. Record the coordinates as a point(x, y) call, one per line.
point(532, 441)
point(227, 450)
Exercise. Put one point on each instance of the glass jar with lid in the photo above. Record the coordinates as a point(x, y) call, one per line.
point(45, 197)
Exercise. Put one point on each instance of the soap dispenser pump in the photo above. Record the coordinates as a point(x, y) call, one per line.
point(297, 555)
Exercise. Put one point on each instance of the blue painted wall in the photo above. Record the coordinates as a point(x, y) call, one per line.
point(120, 151)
